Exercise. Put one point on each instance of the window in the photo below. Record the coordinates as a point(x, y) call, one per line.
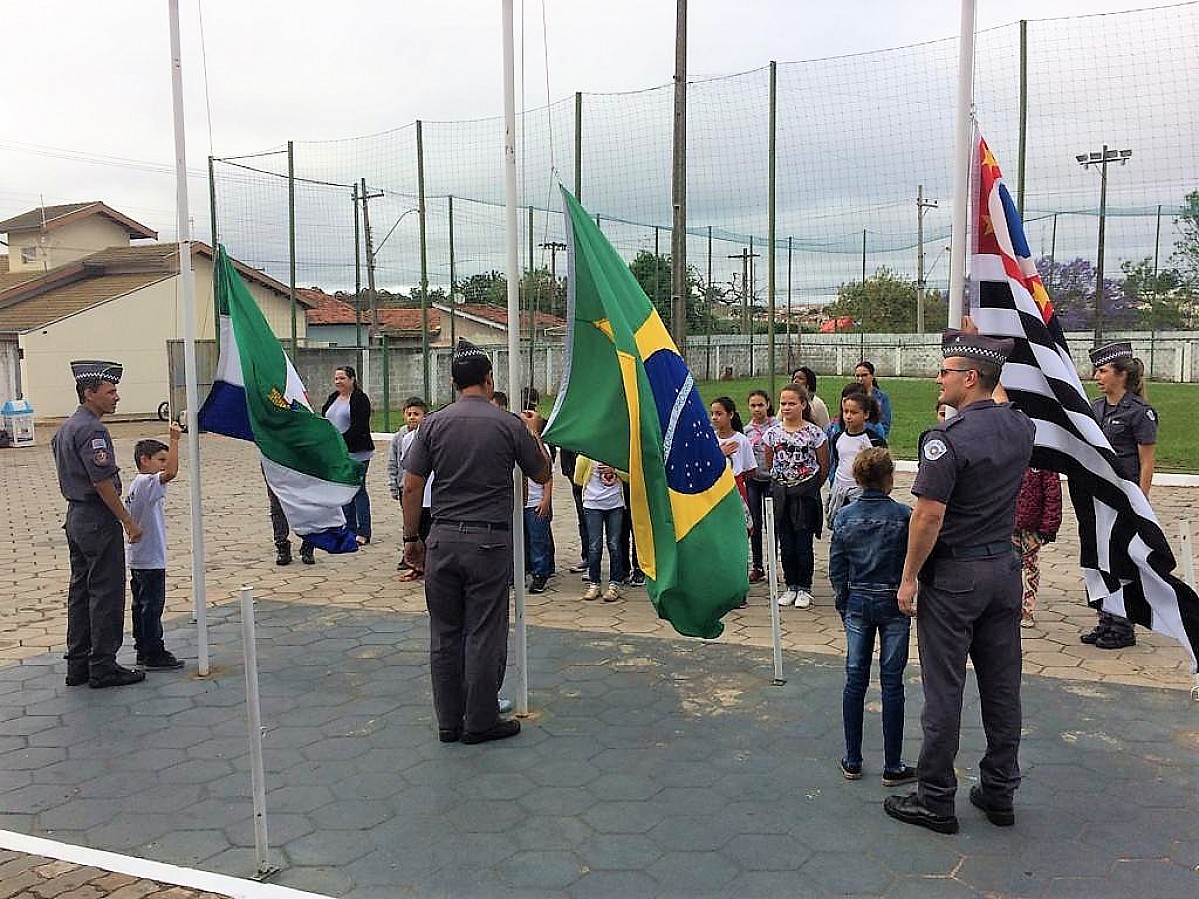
point(30, 254)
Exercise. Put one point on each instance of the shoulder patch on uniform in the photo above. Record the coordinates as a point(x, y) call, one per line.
point(101, 458)
point(934, 449)
point(1151, 415)
point(99, 443)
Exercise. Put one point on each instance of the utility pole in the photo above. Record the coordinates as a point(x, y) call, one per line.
point(553, 246)
point(922, 205)
point(745, 255)
point(678, 190)
point(366, 196)
point(1101, 159)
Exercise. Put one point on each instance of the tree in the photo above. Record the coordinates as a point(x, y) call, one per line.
point(1161, 299)
point(491, 288)
point(886, 303)
point(1071, 286)
point(1186, 247)
point(653, 273)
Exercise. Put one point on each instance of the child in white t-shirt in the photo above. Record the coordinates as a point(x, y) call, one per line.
point(603, 511)
point(157, 464)
point(415, 409)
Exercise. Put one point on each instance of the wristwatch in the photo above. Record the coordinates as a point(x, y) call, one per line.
point(411, 539)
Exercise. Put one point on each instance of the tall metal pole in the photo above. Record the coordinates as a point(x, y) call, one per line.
point(963, 152)
point(1053, 245)
point(579, 146)
point(753, 303)
point(513, 272)
point(678, 186)
point(922, 205)
point(863, 255)
point(187, 284)
point(373, 331)
point(790, 354)
point(531, 304)
point(453, 287)
point(358, 281)
point(1157, 242)
point(770, 219)
point(424, 259)
point(212, 228)
point(708, 312)
point(291, 243)
point(1099, 252)
point(1020, 152)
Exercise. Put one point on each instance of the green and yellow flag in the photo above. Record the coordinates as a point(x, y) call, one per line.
point(627, 399)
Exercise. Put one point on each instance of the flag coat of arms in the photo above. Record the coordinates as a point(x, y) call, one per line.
point(1126, 559)
point(628, 400)
point(257, 395)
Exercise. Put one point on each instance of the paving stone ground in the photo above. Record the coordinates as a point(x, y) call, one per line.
point(650, 765)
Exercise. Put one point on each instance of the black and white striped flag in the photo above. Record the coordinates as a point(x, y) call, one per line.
point(1126, 560)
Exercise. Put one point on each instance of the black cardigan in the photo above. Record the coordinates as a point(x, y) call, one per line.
point(358, 436)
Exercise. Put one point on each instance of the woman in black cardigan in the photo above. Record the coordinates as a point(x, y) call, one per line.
point(350, 411)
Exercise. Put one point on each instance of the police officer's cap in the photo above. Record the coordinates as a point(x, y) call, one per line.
point(976, 346)
point(86, 370)
point(1104, 355)
point(470, 364)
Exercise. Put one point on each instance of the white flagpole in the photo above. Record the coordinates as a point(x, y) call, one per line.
point(962, 151)
point(513, 273)
point(188, 287)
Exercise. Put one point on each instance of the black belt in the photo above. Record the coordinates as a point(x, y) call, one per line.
point(977, 551)
point(464, 525)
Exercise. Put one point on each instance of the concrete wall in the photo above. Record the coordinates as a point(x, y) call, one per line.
point(10, 369)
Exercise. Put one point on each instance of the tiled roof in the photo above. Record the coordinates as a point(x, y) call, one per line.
point(498, 315)
point(52, 217)
point(330, 310)
point(59, 302)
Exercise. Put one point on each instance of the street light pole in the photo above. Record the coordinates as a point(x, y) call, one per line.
point(921, 206)
point(1101, 159)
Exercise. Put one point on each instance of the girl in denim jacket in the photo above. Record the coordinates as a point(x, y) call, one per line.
point(865, 564)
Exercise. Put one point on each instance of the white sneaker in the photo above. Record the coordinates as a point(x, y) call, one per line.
point(803, 599)
point(786, 598)
point(593, 592)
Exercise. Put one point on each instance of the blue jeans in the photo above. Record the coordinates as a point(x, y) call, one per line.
point(149, 586)
point(358, 510)
point(539, 551)
point(866, 615)
point(603, 523)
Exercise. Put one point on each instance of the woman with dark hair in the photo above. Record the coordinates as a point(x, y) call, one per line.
point(350, 411)
point(864, 372)
point(757, 485)
point(807, 377)
point(1130, 425)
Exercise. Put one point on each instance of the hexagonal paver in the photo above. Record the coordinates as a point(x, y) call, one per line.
point(541, 870)
point(327, 847)
point(692, 872)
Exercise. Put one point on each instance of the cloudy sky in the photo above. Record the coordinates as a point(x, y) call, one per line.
point(88, 111)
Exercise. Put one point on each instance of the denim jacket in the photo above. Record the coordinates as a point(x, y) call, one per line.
point(870, 541)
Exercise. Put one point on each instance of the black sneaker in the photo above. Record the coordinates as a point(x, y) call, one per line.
point(77, 675)
point(999, 814)
point(636, 579)
point(117, 676)
point(160, 661)
point(1116, 640)
point(1091, 637)
point(899, 777)
point(306, 555)
point(283, 554)
point(850, 772)
point(537, 584)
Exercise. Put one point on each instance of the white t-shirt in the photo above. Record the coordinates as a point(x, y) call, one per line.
point(742, 458)
point(535, 492)
point(144, 500)
point(848, 447)
point(601, 496)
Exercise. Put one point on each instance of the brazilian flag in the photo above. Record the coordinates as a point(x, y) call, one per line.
point(627, 399)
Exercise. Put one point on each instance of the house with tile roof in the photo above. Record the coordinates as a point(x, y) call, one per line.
point(81, 281)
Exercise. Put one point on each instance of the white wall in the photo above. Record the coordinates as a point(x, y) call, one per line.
point(65, 243)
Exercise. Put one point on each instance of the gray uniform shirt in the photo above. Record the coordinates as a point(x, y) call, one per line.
point(1130, 423)
point(84, 456)
point(974, 463)
point(473, 446)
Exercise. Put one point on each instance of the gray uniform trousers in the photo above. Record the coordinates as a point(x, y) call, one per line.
point(467, 573)
point(969, 607)
point(96, 594)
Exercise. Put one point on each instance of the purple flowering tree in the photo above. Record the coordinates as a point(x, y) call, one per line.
point(1071, 286)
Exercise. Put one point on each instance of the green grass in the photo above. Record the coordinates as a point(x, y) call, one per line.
point(913, 400)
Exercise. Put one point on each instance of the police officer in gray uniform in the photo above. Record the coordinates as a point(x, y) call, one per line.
point(472, 446)
point(960, 554)
point(1130, 425)
point(89, 478)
